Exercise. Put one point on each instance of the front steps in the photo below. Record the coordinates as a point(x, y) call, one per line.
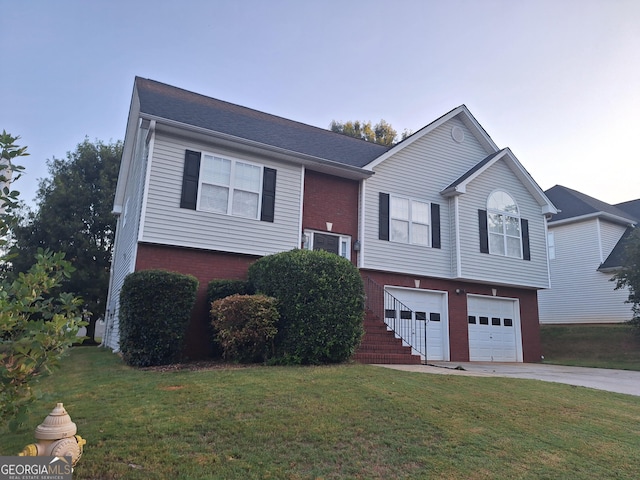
point(380, 345)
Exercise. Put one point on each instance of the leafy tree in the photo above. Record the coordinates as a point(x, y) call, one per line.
point(74, 216)
point(382, 132)
point(36, 328)
point(629, 275)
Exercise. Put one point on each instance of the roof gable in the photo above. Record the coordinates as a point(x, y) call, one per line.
point(574, 205)
point(463, 113)
point(459, 186)
point(160, 101)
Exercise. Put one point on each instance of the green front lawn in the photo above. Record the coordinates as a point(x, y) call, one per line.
point(333, 422)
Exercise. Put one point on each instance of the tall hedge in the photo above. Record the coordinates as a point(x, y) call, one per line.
point(155, 309)
point(321, 304)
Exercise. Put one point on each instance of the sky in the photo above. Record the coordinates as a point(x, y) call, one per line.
point(556, 81)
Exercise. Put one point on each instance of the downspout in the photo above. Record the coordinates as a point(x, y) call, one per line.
point(599, 240)
point(456, 213)
point(361, 228)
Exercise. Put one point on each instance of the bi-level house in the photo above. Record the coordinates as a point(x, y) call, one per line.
point(447, 229)
point(587, 239)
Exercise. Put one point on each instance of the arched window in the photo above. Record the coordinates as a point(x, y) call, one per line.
point(503, 225)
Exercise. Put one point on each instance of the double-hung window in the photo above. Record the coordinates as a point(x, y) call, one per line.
point(409, 221)
point(503, 225)
point(221, 184)
point(230, 186)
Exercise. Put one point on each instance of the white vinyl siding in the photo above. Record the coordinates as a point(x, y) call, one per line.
point(125, 245)
point(423, 170)
point(166, 223)
point(419, 171)
point(579, 292)
point(495, 268)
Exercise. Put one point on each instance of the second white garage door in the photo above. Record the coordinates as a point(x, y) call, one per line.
point(494, 329)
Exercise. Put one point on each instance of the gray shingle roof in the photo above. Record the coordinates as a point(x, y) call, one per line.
point(572, 203)
point(617, 256)
point(165, 101)
point(632, 207)
point(473, 170)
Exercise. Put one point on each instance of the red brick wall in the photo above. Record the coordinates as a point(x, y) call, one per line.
point(458, 326)
point(331, 199)
point(205, 266)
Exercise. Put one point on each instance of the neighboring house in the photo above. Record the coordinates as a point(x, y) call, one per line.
point(446, 228)
point(586, 242)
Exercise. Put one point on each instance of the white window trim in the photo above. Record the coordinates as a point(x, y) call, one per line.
point(344, 241)
point(411, 222)
point(234, 161)
point(505, 235)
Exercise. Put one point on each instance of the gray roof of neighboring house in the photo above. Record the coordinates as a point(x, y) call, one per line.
point(164, 101)
point(572, 203)
point(617, 255)
point(632, 207)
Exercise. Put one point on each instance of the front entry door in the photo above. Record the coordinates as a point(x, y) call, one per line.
point(329, 243)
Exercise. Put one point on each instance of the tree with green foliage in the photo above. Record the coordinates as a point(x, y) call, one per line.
point(73, 216)
point(629, 275)
point(382, 132)
point(36, 327)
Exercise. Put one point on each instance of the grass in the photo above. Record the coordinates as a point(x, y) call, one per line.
point(603, 345)
point(347, 421)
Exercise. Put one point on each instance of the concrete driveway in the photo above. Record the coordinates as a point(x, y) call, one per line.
point(620, 381)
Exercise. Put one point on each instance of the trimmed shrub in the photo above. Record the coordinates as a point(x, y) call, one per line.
point(245, 326)
point(321, 304)
point(218, 289)
point(155, 309)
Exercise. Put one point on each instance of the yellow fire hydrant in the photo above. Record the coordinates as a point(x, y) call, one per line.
point(56, 437)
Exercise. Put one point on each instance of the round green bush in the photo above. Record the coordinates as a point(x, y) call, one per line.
point(245, 326)
point(321, 304)
point(155, 309)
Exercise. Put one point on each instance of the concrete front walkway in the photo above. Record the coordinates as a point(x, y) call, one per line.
point(620, 381)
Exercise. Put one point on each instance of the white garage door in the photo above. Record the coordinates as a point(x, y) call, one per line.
point(494, 330)
point(421, 319)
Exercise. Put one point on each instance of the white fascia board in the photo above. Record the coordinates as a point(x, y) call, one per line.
point(593, 216)
point(314, 163)
point(134, 123)
point(516, 167)
point(470, 122)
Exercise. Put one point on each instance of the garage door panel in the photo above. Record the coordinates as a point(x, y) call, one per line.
point(427, 311)
point(492, 329)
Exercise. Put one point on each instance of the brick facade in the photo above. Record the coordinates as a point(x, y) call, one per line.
point(208, 265)
point(334, 200)
point(458, 326)
point(205, 266)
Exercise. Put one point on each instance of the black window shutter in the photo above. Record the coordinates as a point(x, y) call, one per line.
point(383, 217)
point(526, 251)
point(484, 234)
point(435, 225)
point(267, 213)
point(190, 180)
